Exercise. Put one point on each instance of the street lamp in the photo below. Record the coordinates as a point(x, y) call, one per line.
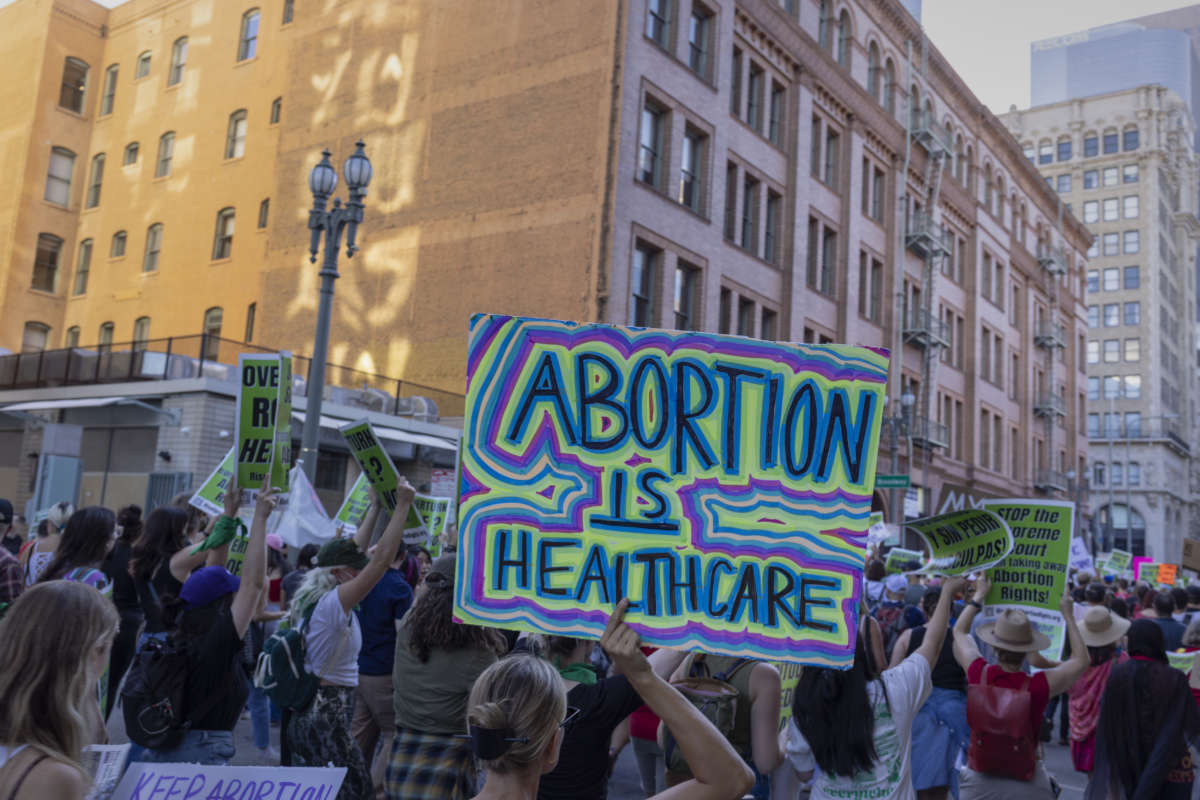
point(332, 222)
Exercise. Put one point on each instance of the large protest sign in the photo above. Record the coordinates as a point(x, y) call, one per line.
point(1081, 559)
point(1118, 562)
point(264, 420)
point(963, 542)
point(210, 496)
point(426, 521)
point(1034, 575)
point(900, 560)
point(150, 781)
point(354, 507)
point(722, 484)
point(1147, 572)
point(373, 460)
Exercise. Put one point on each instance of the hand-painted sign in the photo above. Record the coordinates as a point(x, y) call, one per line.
point(375, 463)
point(963, 542)
point(264, 420)
point(143, 781)
point(722, 484)
point(1166, 573)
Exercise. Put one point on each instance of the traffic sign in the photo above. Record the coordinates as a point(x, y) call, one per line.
point(891, 481)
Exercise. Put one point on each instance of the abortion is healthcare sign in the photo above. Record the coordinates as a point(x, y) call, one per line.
point(722, 484)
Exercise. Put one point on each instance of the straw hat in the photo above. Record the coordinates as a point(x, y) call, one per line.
point(1101, 627)
point(1013, 631)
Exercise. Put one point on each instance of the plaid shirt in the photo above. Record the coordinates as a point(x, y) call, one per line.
point(12, 579)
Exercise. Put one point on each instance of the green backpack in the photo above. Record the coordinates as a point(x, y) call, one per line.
point(715, 697)
point(280, 671)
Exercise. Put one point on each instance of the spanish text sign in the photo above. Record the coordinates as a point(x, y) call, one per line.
point(722, 484)
point(143, 781)
point(963, 542)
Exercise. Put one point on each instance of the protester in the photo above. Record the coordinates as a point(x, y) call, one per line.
point(1003, 766)
point(1101, 632)
point(374, 714)
point(10, 538)
point(890, 612)
point(1095, 594)
point(48, 675)
point(423, 558)
point(323, 608)
point(875, 574)
point(1164, 611)
point(1120, 607)
point(856, 724)
point(159, 563)
point(914, 594)
point(1191, 642)
point(1193, 605)
point(211, 615)
point(641, 728)
point(939, 731)
point(38, 554)
point(1147, 722)
point(84, 545)
point(1180, 596)
point(124, 595)
point(519, 716)
point(436, 661)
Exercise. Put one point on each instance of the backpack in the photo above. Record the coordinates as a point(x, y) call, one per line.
point(1002, 742)
point(717, 700)
point(154, 698)
point(280, 671)
point(891, 625)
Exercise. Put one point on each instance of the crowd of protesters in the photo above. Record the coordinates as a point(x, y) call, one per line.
point(941, 700)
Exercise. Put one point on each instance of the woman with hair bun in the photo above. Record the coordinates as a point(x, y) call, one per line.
point(518, 716)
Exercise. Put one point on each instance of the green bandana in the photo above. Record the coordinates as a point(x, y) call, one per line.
point(222, 533)
point(580, 673)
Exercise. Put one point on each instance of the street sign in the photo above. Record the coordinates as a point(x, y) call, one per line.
point(891, 481)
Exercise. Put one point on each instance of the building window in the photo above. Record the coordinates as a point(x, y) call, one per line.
point(35, 337)
point(750, 201)
point(845, 38)
point(1133, 313)
point(824, 22)
point(658, 22)
point(1030, 152)
point(1111, 243)
point(117, 248)
point(104, 344)
point(641, 284)
point(213, 318)
point(1129, 206)
point(1063, 183)
point(686, 280)
point(731, 172)
point(72, 337)
point(1110, 209)
point(248, 39)
point(874, 72)
point(276, 110)
point(651, 145)
point(142, 68)
point(131, 154)
point(109, 94)
point(889, 88)
point(771, 231)
point(1112, 279)
point(1091, 211)
point(1093, 316)
point(1091, 178)
point(1093, 352)
point(83, 265)
point(223, 237)
point(1112, 351)
point(1093, 280)
point(141, 333)
point(1131, 241)
point(1133, 423)
point(95, 181)
point(1091, 146)
point(822, 257)
point(870, 285)
point(166, 149)
point(1108, 176)
point(178, 61)
point(289, 11)
point(1130, 139)
point(1129, 173)
point(1134, 472)
point(829, 172)
point(735, 83)
point(775, 115)
point(264, 212)
point(74, 85)
point(1110, 142)
point(1045, 152)
point(754, 97)
point(58, 176)
point(1112, 314)
point(1093, 390)
point(768, 329)
point(1064, 150)
point(251, 313)
point(1133, 349)
point(691, 166)
point(1133, 278)
point(235, 135)
point(45, 262)
point(699, 38)
point(745, 317)
point(153, 247)
point(1133, 386)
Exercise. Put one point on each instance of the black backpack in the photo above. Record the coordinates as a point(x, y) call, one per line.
point(154, 699)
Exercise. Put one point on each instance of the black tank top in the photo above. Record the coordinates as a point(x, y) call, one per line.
point(947, 674)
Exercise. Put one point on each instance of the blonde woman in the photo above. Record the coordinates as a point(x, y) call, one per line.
point(48, 674)
point(517, 714)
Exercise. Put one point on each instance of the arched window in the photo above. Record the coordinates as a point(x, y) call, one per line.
point(889, 87)
point(117, 248)
point(264, 212)
point(989, 188)
point(874, 73)
point(959, 160)
point(153, 247)
point(45, 262)
point(914, 105)
point(235, 135)
point(143, 66)
point(166, 150)
point(276, 109)
point(141, 333)
point(248, 39)
point(212, 332)
point(131, 154)
point(72, 337)
point(95, 181)
point(999, 209)
point(845, 38)
point(289, 10)
point(58, 176)
point(824, 23)
point(106, 337)
point(35, 337)
point(109, 94)
point(223, 236)
point(178, 61)
point(1129, 138)
point(83, 265)
point(74, 85)
point(969, 170)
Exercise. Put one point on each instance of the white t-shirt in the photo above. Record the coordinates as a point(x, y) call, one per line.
point(333, 639)
point(908, 687)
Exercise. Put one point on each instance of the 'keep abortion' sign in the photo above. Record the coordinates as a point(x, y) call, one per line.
point(722, 484)
point(143, 781)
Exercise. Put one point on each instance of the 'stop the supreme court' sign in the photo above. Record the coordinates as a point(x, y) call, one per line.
point(723, 484)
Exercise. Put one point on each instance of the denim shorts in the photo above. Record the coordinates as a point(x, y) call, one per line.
point(197, 747)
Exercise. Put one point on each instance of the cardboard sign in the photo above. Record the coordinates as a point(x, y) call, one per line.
point(1034, 575)
point(210, 497)
point(146, 781)
point(963, 542)
point(1191, 555)
point(900, 560)
point(722, 484)
point(264, 420)
point(375, 463)
point(354, 507)
point(1166, 573)
point(1081, 559)
point(1118, 561)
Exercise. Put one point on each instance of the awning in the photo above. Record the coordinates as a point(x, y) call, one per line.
point(82, 402)
point(384, 432)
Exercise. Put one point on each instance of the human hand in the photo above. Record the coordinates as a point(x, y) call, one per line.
point(954, 586)
point(233, 499)
point(268, 498)
point(404, 492)
point(983, 585)
point(1066, 604)
point(623, 645)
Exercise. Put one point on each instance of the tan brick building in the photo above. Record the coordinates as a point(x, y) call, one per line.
point(775, 168)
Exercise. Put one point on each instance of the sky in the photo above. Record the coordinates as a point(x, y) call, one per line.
point(987, 41)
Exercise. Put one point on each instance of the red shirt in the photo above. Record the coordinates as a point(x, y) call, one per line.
point(643, 723)
point(273, 590)
point(1039, 688)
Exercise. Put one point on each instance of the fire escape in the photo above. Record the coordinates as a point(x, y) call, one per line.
point(1050, 335)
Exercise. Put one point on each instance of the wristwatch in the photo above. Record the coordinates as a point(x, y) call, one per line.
point(978, 605)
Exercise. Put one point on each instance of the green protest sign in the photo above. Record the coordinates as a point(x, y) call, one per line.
point(1119, 561)
point(1147, 572)
point(263, 420)
point(210, 497)
point(1182, 661)
point(963, 542)
point(426, 521)
point(1033, 576)
point(375, 463)
point(354, 507)
point(900, 560)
